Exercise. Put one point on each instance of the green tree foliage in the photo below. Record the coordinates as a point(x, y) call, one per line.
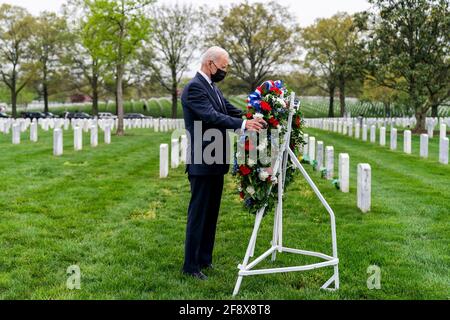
point(48, 40)
point(334, 55)
point(120, 27)
point(411, 43)
point(258, 36)
point(172, 46)
point(16, 26)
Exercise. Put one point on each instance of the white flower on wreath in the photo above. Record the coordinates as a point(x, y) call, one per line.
point(263, 175)
point(250, 190)
point(274, 180)
point(262, 145)
point(251, 163)
point(258, 115)
point(282, 102)
point(240, 189)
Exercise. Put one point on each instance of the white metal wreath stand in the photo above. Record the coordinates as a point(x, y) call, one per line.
point(246, 268)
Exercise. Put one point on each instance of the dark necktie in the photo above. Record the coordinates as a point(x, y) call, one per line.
point(216, 90)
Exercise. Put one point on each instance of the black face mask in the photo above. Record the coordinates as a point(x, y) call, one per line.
point(219, 75)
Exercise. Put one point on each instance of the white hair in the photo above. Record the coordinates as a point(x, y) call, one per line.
point(213, 54)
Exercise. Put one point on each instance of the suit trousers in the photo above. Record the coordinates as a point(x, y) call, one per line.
point(206, 194)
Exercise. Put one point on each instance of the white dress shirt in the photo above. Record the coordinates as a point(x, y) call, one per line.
point(208, 79)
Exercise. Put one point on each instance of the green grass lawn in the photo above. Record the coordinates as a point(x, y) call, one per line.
point(106, 210)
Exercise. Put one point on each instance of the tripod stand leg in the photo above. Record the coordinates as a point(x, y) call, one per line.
point(250, 247)
point(275, 234)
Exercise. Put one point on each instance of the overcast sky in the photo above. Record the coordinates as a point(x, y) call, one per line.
point(306, 10)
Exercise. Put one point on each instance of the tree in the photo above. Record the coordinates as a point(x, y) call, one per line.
point(334, 55)
point(47, 45)
point(16, 26)
point(258, 37)
point(374, 92)
point(411, 42)
point(120, 27)
point(172, 47)
point(84, 62)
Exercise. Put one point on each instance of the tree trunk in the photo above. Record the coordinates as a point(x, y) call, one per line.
point(387, 111)
point(420, 118)
point(331, 105)
point(45, 87)
point(174, 94)
point(95, 95)
point(342, 96)
point(434, 111)
point(14, 102)
point(120, 131)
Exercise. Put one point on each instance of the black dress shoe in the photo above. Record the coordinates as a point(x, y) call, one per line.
point(199, 275)
point(207, 266)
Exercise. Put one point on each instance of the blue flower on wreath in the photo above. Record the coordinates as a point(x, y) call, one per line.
point(248, 202)
point(235, 165)
point(254, 99)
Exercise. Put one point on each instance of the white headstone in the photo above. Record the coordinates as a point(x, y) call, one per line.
point(382, 136)
point(364, 132)
point(350, 129)
point(305, 146)
point(344, 172)
point(94, 136)
point(319, 155)
point(407, 141)
point(443, 131)
point(312, 149)
point(57, 142)
point(430, 130)
point(78, 138)
point(424, 145)
point(373, 134)
point(393, 139)
point(107, 134)
point(34, 131)
point(184, 146)
point(175, 154)
point(329, 161)
point(364, 187)
point(357, 131)
point(443, 151)
point(16, 133)
point(163, 160)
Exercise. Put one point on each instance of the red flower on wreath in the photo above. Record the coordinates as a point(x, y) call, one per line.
point(265, 106)
point(298, 121)
point(276, 90)
point(249, 146)
point(245, 171)
point(249, 115)
point(242, 194)
point(274, 122)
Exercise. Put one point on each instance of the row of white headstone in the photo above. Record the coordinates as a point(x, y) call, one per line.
point(335, 124)
point(354, 130)
point(159, 125)
point(79, 125)
point(324, 157)
point(78, 138)
point(178, 154)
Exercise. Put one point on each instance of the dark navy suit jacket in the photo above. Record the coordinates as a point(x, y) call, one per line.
point(201, 103)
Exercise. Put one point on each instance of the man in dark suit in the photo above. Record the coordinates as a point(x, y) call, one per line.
point(204, 104)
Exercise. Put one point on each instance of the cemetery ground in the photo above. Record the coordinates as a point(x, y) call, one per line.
point(106, 210)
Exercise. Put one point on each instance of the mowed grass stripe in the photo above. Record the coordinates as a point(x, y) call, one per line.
point(414, 189)
point(109, 212)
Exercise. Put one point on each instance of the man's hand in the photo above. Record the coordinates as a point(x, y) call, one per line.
point(255, 124)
